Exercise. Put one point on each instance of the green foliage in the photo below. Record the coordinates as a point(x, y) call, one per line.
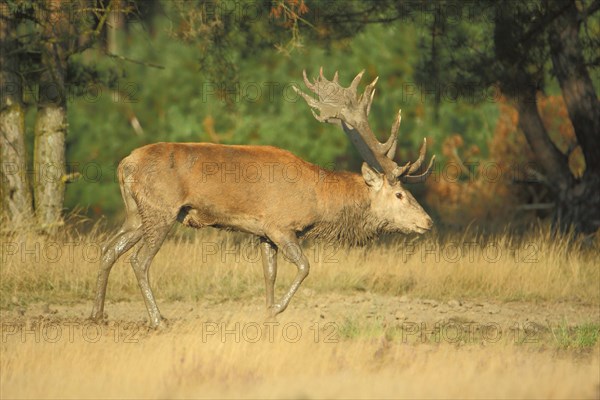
point(223, 79)
point(576, 337)
point(178, 102)
point(200, 70)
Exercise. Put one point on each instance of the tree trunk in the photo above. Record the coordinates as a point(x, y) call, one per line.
point(49, 164)
point(113, 25)
point(582, 204)
point(577, 87)
point(15, 192)
point(51, 121)
point(554, 163)
point(577, 202)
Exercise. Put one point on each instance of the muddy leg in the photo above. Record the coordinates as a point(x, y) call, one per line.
point(124, 240)
point(292, 251)
point(141, 264)
point(269, 261)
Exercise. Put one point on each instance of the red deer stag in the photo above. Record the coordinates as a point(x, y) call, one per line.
point(268, 192)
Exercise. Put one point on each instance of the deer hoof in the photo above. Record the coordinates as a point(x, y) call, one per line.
point(161, 325)
point(98, 318)
point(274, 310)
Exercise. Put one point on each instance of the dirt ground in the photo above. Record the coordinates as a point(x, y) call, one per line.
point(363, 309)
point(356, 345)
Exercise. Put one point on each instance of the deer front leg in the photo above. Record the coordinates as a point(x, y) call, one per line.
point(293, 252)
point(269, 261)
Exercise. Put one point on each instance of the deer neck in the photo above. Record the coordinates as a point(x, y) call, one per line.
point(345, 216)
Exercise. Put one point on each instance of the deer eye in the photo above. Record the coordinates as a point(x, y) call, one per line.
point(399, 195)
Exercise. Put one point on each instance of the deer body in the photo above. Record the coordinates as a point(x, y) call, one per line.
point(261, 190)
point(254, 189)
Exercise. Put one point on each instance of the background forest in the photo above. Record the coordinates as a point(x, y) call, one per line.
point(138, 72)
point(502, 295)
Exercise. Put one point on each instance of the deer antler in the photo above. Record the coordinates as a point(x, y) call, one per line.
point(340, 105)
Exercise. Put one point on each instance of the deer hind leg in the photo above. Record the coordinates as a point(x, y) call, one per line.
point(292, 251)
point(127, 236)
point(269, 261)
point(140, 263)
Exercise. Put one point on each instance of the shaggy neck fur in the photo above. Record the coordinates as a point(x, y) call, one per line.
point(346, 218)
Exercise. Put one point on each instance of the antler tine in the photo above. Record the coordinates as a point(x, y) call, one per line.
point(392, 151)
point(306, 82)
point(312, 103)
point(390, 146)
point(394, 134)
point(368, 95)
point(417, 164)
point(317, 116)
point(419, 178)
point(370, 101)
point(400, 171)
point(335, 77)
point(356, 81)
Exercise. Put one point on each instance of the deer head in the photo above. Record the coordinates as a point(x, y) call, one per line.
point(390, 201)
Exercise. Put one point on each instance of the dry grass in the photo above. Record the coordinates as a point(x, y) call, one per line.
point(223, 266)
point(221, 275)
point(186, 363)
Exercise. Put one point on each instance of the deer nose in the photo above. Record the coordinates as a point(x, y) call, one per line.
point(428, 222)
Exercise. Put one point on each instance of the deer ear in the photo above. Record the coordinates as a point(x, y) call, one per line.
point(372, 178)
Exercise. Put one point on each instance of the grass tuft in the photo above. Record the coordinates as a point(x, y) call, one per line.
point(538, 266)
